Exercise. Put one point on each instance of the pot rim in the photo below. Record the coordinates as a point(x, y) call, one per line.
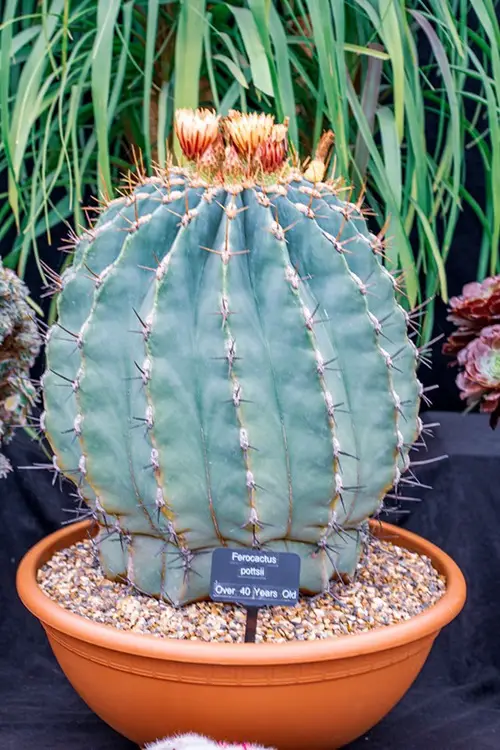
point(54, 616)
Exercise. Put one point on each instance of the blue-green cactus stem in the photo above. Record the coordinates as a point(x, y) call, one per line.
point(110, 394)
point(300, 404)
point(341, 304)
point(237, 372)
point(361, 249)
point(178, 432)
point(95, 253)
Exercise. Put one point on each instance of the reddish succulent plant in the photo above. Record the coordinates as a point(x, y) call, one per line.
point(479, 380)
point(478, 306)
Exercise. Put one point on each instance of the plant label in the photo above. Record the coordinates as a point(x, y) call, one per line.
point(255, 578)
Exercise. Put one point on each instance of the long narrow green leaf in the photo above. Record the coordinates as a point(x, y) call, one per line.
point(494, 126)
point(418, 184)
point(233, 68)
point(64, 129)
point(488, 15)
point(391, 152)
point(259, 64)
point(230, 98)
point(163, 118)
point(5, 118)
point(438, 260)
point(390, 32)
point(454, 135)
point(188, 56)
point(65, 35)
point(334, 79)
point(372, 51)
point(152, 27)
point(75, 95)
point(119, 76)
point(369, 103)
point(400, 241)
point(102, 55)
point(442, 11)
point(210, 63)
point(284, 74)
point(22, 38)
point(25, 112)
point(261, 12)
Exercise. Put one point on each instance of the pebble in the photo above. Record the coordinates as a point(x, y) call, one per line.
point(391, 585)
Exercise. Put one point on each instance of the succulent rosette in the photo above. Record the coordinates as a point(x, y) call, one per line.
point(19, 346)
point(479, 381)
point(478, 306)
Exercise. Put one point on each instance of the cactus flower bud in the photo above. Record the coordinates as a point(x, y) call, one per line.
point(272, 153)
point(248, 132)
point(197, 131)
point(317, 168)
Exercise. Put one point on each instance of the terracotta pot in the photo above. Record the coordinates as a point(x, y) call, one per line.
point(293, 696)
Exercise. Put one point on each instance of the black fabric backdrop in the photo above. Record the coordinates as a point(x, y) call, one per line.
point(455, 702)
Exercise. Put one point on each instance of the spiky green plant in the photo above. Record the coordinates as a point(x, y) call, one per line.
point(238, 370)
point(19, 345)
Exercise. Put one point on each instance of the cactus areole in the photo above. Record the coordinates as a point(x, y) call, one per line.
point(237, 370)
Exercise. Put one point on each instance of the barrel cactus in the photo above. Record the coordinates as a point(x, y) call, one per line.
point(237, 368)
point(19, 346)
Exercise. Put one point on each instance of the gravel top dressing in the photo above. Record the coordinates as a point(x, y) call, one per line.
point(391, 585)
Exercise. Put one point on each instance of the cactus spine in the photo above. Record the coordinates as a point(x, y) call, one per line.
point(19, 346)
point(237, 366)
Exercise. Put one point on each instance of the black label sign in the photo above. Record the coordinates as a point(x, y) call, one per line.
point(255, 578)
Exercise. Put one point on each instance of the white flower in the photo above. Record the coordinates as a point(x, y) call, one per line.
point(196, 742)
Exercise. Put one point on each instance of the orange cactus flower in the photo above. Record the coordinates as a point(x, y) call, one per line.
point(272, 153)
point(196, 130)
point(248, 132)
